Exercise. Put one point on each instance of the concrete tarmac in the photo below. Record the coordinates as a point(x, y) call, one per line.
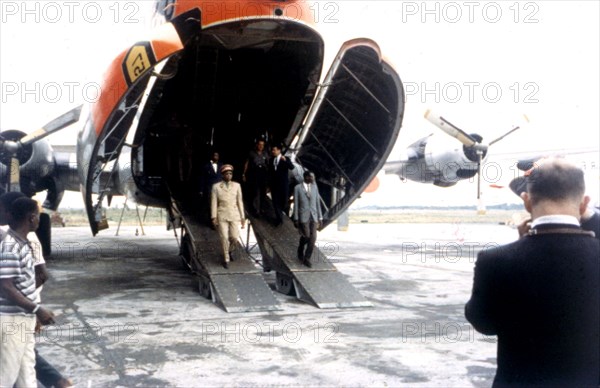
point(129, 315)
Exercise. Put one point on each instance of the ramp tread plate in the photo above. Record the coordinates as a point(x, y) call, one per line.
point(210, 254)
point(285, 239)
point(329, 289)
point(213, 263)
point(244, 292)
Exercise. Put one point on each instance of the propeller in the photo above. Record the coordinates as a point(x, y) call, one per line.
point(11, 148)
point(474, 149)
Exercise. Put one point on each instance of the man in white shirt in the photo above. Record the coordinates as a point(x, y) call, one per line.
point(18, 298)
point(307, 216)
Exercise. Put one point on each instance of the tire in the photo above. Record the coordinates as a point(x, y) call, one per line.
point(284, 284)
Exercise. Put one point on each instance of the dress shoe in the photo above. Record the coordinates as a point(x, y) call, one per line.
point(307, 263)
point(226, 264)
point(63, 383)
point(231, 258)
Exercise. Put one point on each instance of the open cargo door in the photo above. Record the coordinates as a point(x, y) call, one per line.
point(352, 126)
point(112, 115)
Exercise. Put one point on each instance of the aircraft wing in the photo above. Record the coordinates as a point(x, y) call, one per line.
point(520, 162)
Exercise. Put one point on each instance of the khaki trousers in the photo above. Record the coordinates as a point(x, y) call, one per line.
point(229, 233)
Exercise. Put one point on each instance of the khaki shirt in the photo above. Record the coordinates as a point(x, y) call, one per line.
point(226, 202)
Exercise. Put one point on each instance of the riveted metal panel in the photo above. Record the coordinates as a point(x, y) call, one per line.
point(327, 289)
point(243, 292)
point(320, 284)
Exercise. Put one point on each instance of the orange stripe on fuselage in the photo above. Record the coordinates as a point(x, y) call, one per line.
point(165, 42)
point(214, 12)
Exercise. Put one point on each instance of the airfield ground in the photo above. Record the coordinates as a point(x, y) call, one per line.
point(77, 217)
point(128, 314)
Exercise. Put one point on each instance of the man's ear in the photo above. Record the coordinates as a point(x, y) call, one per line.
point(584, 204)
point(526, 201)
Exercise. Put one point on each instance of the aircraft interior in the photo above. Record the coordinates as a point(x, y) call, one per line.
point(216, 96)
point(235, 83)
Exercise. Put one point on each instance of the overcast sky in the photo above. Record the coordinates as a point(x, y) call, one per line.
point(482, 64)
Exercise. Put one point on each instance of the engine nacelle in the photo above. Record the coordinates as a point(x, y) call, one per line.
point(36, 163)
point(434, 160)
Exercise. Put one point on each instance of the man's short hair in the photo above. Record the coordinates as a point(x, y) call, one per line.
point(21, 208)
point(307, 173)
point(555, 180)
point(7, 199)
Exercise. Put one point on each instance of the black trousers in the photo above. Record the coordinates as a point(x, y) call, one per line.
point(280, 202)
point(258, 189)
point(308, 238)
point(45, 373)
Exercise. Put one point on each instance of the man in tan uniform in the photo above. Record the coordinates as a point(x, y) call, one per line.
point(226, 210)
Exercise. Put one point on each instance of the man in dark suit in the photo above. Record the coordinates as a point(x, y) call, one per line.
point(307, 216)
point(279, 182)
point(209, 175)
point(255, 177)
point(590, 220)
point(541, 294)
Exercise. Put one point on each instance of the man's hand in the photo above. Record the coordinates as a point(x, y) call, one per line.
point(243, 223)
point(46, 317)
point(524, 227)
point(215, 222)
point(296, 225)
point(319, 224)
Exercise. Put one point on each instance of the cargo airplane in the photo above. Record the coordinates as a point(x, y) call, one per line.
point(211, 76)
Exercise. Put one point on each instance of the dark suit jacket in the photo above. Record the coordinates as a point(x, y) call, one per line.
point(208, 177)
point(279, 180)
point(541, 296)
point(592, 224)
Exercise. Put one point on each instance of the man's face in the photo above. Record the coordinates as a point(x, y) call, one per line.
point(215, 157)
point(309, 178)
point(260, 146)
point(34, 220)
point(227, 176)
point(275, 151)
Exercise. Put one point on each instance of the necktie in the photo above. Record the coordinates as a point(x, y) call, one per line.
point(308, 190)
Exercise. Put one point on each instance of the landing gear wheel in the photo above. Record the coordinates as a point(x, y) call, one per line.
point(204, 287)
point(284, 284)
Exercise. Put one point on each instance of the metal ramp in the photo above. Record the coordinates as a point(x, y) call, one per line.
point(321, 284)
point(240, 288)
